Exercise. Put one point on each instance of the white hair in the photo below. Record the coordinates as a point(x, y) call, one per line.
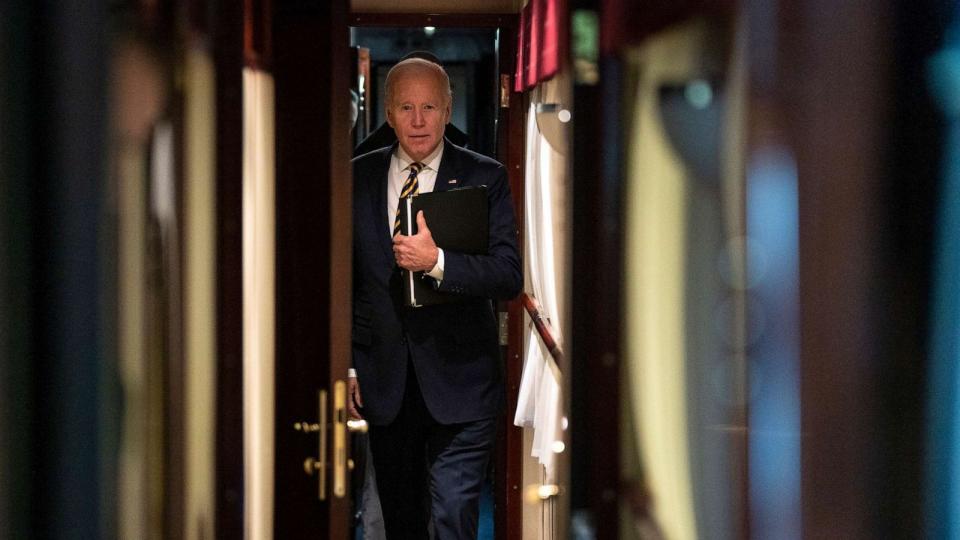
point(416, 65)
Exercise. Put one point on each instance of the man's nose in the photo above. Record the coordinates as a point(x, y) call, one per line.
point(418, 119)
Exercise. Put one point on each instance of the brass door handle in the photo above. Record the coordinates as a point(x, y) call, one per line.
point(340, 463)
point(340, 439)
point(319, 464)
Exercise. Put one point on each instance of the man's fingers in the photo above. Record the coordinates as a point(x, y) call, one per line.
point(421, 222)
point(352, 408)
point(353, 390)
point(354, 413)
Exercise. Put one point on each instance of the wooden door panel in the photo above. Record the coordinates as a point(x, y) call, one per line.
point(309, 63)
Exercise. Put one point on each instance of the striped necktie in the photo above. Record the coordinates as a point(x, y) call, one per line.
point(410, 189)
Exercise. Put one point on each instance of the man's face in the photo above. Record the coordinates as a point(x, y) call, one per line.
point(418, 113)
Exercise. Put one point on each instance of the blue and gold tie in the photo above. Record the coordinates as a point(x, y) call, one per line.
point(410, 189)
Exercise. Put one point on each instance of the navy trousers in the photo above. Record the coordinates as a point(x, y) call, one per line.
point(419, 462)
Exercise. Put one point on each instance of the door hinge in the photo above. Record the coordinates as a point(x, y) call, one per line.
point(504, 318)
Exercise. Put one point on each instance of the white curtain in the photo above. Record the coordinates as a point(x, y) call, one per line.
point(540, 401)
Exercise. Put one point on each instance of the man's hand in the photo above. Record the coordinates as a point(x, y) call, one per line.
point(417, 252)
point(354, 400)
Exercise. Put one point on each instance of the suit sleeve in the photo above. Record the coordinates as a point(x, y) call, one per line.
point(497, 274)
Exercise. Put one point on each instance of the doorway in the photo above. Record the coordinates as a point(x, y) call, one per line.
point(313, 225)
point(478, 53)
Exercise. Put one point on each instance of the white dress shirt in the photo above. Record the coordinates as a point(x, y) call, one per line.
point(426, 179)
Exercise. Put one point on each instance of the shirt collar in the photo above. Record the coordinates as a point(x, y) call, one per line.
point(431, 162)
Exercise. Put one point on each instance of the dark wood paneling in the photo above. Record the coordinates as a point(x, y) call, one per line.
point(257, 33)
point(340, 223)
point(303, 262)
point(314, 250)
point(341, 192)
point(228, 57)
point(835, 110)
point(508, 484)
point(596, 304)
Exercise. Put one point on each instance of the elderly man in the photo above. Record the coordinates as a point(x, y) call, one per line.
point(384, 134)
point(431, 376)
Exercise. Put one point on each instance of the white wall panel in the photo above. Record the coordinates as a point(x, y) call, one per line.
point(259, 230)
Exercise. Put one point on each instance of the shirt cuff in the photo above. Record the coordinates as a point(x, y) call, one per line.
point(351, 373)
point(437, 271)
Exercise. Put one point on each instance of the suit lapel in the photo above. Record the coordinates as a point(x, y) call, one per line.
point(379, 201)
point(448, 177)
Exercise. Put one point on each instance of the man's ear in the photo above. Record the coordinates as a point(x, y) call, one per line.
point(389, 117)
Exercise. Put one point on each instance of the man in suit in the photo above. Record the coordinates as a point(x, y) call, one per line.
point(431, 376)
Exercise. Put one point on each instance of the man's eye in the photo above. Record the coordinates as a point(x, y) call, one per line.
point(429, 107)
point(406, 107)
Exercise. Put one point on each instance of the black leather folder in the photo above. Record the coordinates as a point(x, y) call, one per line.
point(458, 221)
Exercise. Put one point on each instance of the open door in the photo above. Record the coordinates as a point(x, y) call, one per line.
point(309, 63)
point(283, 266)
point(284, 256)
point(478, 52)
point(285, 251)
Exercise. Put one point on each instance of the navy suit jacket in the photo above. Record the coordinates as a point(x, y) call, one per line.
point(454, 347)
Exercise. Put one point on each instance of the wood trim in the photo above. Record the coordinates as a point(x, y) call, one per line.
point(303, 265)
point(451, 20)
point(341, 195)
point(314, 251)
point(596, 303)
point(341, 228)
point(228, 57)
point(197, 17)
point(508, 517)
point(604, 336)
point(257, 33)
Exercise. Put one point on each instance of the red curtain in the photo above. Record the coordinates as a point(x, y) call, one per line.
point(542, 34)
